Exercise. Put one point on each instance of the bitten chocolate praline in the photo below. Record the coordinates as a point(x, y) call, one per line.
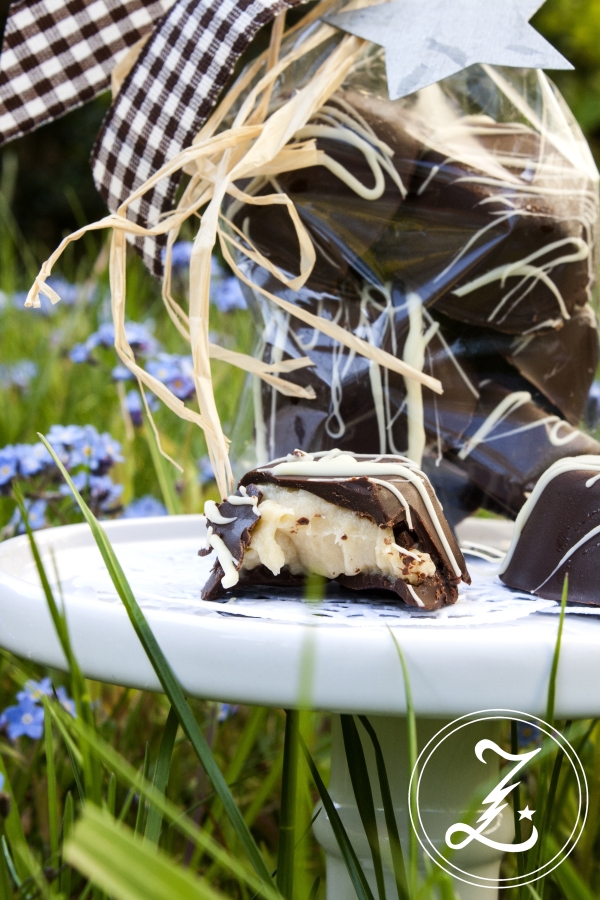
point(391, 496)
point(557, 534)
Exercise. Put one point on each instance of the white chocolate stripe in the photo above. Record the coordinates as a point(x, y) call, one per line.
point(392, 487)
point(227, 561)
point(418, 600)
point(508, 405)
point(211, 511)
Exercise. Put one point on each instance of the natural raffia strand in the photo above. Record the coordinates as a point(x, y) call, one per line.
point(255, 147)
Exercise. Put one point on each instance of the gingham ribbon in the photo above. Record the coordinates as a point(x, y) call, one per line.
point(57, 55)
point(167, 97)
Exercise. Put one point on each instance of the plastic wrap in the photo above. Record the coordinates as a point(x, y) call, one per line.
point(454, 229)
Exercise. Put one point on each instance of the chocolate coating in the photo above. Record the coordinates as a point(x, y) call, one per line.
point(365, 498)
point(566, 512)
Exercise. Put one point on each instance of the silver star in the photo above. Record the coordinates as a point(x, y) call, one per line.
point(427, 41)
point(526, 814)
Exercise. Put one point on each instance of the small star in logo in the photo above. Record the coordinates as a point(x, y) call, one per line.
point(526, 814)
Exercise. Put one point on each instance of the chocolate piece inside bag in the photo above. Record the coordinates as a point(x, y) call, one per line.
point(475, 264)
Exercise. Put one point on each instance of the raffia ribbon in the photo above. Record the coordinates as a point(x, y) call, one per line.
point(258, 147)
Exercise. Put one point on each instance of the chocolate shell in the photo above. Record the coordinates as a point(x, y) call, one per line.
point(558, 534)
point(420, 530)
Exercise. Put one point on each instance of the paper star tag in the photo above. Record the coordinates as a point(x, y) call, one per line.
point(426, 43)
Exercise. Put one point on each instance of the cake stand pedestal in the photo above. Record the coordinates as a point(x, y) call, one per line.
point(228, 653)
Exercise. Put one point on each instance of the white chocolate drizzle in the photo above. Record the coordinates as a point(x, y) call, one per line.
point(244, 500)
point(587, 537)
point(226, 560)
point(507, 406)
point(418, 600)
point(568, 464)
point(392, 487)
point(211, 511)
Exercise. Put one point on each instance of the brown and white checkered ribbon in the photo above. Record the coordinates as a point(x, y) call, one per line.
point(57, 55)
point(167, 97)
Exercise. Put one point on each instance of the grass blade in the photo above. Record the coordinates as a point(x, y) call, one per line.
point(388, 811)
point(139, 818)
point(542, 795)
point(514, 749)
point(165, 674)
point(127, 868)
point(357, 876)
point(91, 771)
point(21, 857)
point(65, 876)
point(287, 816)
point(163, 473)
point(134, 778)
point(53, 825)
point(161, 775)
point(361, 785)
point(242, 751)
point(556, 658)
point(411, 723)
point(111, 794)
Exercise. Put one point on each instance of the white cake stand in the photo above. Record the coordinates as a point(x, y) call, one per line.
point(253, 652)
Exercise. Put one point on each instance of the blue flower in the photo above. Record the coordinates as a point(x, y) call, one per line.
point(25, 719)
point(135, 406)
point(181, 253)
point(122, 373)
point(35, 690)
point(79, 479)
point(528, 734)
point(228, 295)
point(96, 451)
point(19, 374)
point(65, 701)
point(206, 469)
point(226, 711)
point(80, 353)
point(175, 372)
point(8, 465)
point(103, 488)
point(1, 781)
point(64, 434)
point(144, 508)
point(67, 292)
point(32, 458)
point(36, 515)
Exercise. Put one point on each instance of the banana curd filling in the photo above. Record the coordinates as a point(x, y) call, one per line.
point(305, 533)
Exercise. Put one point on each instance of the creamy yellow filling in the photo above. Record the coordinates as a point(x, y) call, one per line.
point(300, 530)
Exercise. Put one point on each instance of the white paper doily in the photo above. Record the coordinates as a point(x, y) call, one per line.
point(167, 578)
